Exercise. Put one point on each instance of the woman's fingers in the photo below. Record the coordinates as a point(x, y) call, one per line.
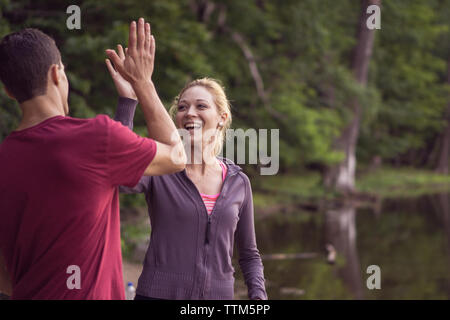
point(114, 58)
point(110, 67)
point(120, 51)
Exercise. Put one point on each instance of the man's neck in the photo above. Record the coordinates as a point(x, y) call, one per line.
point(39, 109)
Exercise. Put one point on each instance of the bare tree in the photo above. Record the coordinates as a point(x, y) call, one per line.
point(444, 140)
point(341, 177)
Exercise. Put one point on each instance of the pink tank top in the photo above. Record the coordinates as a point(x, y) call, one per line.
point(210, 200)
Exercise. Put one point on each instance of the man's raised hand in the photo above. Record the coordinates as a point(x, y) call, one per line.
point(137, 69)
point(140, 56)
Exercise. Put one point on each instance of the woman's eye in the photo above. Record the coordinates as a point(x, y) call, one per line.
point(201, 106)
point(181, 108)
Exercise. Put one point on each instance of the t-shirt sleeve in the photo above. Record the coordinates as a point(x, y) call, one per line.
point(127, 154)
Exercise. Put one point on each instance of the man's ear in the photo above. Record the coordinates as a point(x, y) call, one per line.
point(53, 74)
point(9, 94)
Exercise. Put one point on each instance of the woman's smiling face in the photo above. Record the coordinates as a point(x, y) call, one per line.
point(197, 113)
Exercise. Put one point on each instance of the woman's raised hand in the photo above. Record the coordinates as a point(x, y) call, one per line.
point(124, 88)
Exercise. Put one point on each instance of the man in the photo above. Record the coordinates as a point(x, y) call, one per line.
point(59, 206)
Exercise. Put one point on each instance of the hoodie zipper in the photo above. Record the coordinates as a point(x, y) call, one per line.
point(208, 225)
point(208, 229)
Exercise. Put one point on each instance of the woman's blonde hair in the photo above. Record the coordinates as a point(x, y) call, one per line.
point(220, 100)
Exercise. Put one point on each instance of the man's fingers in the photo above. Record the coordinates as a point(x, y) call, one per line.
point(140, 35)
point(153, 47)
point(132, 36)
point(110, 67)
point(148, 39)
point(121, 53)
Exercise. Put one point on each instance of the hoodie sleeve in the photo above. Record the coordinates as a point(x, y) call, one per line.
point(249, 257)
point(125, 114)
point(125, 111)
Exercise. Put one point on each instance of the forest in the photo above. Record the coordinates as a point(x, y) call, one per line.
point(293, 65)
point(362, 114)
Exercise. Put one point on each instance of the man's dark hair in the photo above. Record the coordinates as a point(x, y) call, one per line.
point(25, 58)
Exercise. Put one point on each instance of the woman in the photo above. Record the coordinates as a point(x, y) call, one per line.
point(198, 213)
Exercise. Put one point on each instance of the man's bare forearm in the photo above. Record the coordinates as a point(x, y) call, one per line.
point(159, 124)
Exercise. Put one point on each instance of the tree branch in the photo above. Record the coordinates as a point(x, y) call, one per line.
point(204, 11)
point(239, 39)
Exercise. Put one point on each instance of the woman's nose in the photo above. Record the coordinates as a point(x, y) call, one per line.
point(191, 111)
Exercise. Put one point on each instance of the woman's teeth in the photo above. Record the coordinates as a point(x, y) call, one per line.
point(192, 126)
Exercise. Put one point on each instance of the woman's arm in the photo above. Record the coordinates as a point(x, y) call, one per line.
point(249, 258)
point(135, 65)
point(126, 108)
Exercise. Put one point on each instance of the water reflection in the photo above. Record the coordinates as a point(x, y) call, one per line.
point(441, 203)
point(443, 209)
point(408, 238)
point(340, 232)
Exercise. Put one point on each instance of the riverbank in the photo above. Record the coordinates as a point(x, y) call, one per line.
point(278, 200)
point(384, 182)
point(273, 194)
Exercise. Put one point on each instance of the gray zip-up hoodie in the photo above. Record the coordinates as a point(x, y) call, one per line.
point(190, 252)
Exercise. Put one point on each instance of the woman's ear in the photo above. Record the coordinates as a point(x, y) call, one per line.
point(223, 119)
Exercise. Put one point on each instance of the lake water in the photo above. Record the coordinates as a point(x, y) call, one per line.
point(408, 239)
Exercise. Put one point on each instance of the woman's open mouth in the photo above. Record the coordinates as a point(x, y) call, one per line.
point(191, 126)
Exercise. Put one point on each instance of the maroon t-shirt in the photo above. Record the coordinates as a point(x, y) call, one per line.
point(59, 206)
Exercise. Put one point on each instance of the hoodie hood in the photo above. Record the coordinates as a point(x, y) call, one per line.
point(232, 167)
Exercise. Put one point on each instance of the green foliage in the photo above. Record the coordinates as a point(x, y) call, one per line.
point(407, 71)
point(404, 182)
point(302, 50)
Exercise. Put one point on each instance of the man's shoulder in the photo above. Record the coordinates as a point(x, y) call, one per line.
point(101, 119)
point(99, 123)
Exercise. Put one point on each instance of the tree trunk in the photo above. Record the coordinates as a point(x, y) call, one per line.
point(442, 165)
point(341, 177)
